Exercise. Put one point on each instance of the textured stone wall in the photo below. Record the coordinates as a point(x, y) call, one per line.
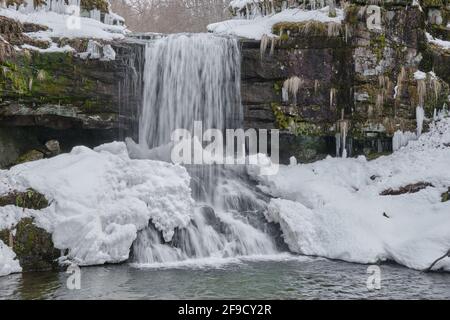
point(352, 74)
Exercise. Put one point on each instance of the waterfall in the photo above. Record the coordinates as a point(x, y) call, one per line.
point(191, 78)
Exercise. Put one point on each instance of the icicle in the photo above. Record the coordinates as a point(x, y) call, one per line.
point(343, 129)
point(437, 88)
point(338, 144)
point(420, 116)
point(334, 29)
point(263, 45)
point(347, 33)
point(401, 139)
point(421, 91)
point(400, 79)
point(292, 161)
point(332, 97)
point(316, 86)
point(272, 45)
point(290, 87)
point(379, 102)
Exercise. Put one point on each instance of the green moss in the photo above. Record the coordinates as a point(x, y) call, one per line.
point(431, 3)
point(284, 37)
point(282, 121)
point(31, 155)
point(13, 79)
point(378, 43)
point(30, 199)
point(311, 28)
point(446, 196)
point(33, 246)
point(277, 87)
point(294, 124)
point(351, 14)
point(375, 155)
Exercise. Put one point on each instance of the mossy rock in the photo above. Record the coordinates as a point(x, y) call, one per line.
point(32, 155)
point(376, 155)
point(33, 246)
point(310, 28)
point(446, 196)
point(432, 3)
point(101, 5)
point(30, 199)
point(15, 3)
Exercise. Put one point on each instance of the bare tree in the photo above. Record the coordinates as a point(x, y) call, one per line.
point(167, 16)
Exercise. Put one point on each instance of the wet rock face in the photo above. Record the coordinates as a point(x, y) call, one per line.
point(62, 91)
point(360, 73)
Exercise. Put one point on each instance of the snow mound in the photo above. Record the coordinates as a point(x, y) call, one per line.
point(60, 26)
point(8, 262)
point(256, 28)
point(333, 208)
point(100, 198)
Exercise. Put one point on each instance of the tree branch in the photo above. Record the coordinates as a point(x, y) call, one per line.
point(438, 259)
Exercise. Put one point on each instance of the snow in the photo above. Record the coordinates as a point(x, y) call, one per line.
point(239, 4)
point(53, 48)
point(441, 43)
point(96, 50)
point(61, 27)
point(256, 28)
point(420, 75)
point(108, 53)
point(401, 139)
point(333, 208)
point(8, 263)
point(99, 200)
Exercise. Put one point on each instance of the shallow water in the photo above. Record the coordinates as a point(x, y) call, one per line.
point(279, 278)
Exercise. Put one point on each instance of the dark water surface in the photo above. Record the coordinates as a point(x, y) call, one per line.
point(301, 278)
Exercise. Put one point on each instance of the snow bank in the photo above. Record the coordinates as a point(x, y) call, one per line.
point(8, 262)
point(333, 208)
point(99, 200)
point(441, 43)
point(256, 28)
point(60, 26)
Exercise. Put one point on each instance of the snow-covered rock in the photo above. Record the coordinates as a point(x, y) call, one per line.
point(438, 42)
point(333, 208)
point(99, 199)
point(64, 26)
point(259, 26)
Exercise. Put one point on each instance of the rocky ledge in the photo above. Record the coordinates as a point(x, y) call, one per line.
point(69, 95)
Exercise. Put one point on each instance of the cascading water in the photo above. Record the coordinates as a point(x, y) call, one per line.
point(191, 78)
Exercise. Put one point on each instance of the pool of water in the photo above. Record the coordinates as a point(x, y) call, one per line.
point(278, 278)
